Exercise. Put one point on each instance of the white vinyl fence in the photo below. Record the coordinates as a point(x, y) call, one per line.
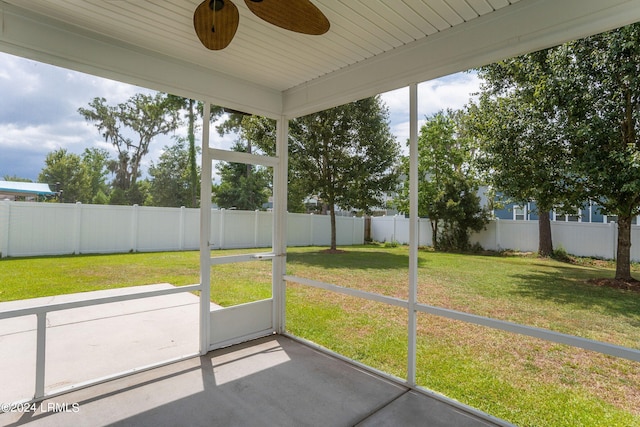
point(32, 229)
point(581, 239)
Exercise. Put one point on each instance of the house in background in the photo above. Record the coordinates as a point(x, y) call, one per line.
point(590, 212)
point(369, 50)
point(28, 191)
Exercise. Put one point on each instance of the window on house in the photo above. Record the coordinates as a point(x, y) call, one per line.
point(519, 213)
point(614, 218)
point(574, 218)
point(567, 217)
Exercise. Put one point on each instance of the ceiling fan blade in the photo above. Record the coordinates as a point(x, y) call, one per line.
point(300, 16)
point(216, 22)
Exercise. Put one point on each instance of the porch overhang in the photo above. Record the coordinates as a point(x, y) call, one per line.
point(368, 51)
point(359, 57)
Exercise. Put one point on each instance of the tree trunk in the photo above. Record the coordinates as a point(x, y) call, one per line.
point(623, 261)
point(434, 233)
point(545, 244)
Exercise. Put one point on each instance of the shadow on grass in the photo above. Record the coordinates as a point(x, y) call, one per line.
point(353, 259)
point(574, 291)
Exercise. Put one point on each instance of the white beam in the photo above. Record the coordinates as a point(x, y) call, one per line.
point(525, 26)
point(205, 235)
point(244, 158)
point(413, 234)
point(279, 239)
point(46, 40)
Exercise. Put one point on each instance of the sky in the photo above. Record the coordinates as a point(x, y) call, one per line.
point(39, 112)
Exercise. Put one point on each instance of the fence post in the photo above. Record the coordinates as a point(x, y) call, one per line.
point(134, 228)
point(498, 242)
point(614, 235)
point(77, 228)
point(222, 214)
point(393, 234)
point(5, 217)
point(182, 228)
point(255, 228)
point(353, 231)
point(311, 229)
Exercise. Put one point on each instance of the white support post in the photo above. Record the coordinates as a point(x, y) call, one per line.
point(413, 234)
point(205, 234)
point(41, 341)
point(279, 239)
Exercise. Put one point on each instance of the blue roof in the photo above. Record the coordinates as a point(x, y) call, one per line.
point(13, 187)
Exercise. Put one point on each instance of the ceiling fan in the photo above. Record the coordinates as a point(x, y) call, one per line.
point(216, 21)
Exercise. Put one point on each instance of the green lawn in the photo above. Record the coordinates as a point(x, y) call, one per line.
point(523, 380)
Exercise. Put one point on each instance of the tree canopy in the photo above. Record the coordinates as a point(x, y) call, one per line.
point(520, 129)
point(448, 182)
point(130, 127)
point(243, 187)
point(570, 117)
point(70, 172)
point(346, 156)
point(600, 89)
point(170, 183)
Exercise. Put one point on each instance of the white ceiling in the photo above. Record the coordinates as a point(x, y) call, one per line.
point(371, 47)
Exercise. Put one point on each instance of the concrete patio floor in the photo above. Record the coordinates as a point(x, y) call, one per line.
point(272, 381)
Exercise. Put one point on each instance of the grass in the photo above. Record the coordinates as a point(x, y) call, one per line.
point(526, 381)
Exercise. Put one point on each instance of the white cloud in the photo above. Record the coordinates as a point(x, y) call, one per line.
point(448, 92)
point(39, 103)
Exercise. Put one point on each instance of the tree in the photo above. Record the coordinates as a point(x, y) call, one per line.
point(68, 170)
point(525, 155)
point(243, 187)
point(143, 115)
point(346, 156)
point(96, 161)
point(171, 177)
point(600, 89)
point(261, 132)
point(448, 183)
point(193, 111)
point(589, 92)
point(15, 178)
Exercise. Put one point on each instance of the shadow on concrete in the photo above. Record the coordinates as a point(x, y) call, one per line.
point(273, 381)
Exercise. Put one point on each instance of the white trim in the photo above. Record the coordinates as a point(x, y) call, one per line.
point(205, 233)
point(544, 334)
point(412, 318)
point(348, 291)
point(244, 158)
point(512, 30)
point(279, 233)
point(218, 260)
point(400, 381)
point(41, 312)
point(47, 40)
